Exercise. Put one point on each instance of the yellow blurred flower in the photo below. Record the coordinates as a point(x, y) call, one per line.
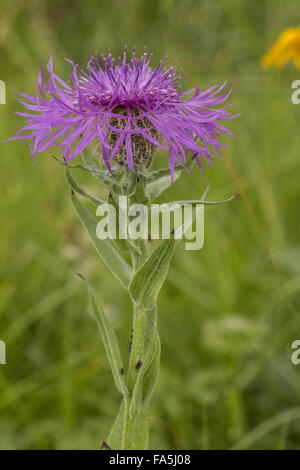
point(287, 47)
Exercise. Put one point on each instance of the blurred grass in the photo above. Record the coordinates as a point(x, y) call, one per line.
point(228, 314)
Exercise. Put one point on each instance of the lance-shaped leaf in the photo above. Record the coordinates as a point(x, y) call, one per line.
point(70, 165)
point(112, 258)
point(140, 431)
point(188, 222)
point(139, 436)
point(114, 439)
point(152, 371)
point(149, 278)
point(198, 201)
point(76, 187)
point(125, 244)
point(102, 175)
point(155, 188)
point(160, 180)
point(109, 339)
point(148, 374)
point(95, 200)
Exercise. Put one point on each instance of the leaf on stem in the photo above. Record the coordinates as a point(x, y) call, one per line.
point(155, 188)
point(148, 374)
point(109, 339)
point(76, 187)
point(149, 278)
point(105, 249)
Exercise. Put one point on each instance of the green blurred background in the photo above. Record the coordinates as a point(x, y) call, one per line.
point(228, 313)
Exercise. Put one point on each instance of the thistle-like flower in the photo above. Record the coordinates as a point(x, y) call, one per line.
point(127, 107)
point(286, 48)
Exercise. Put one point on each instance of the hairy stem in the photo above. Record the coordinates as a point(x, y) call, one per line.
point(135, 362)
point(137, 345)
point(127, 428)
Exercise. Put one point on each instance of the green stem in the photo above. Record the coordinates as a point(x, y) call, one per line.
point(137, 345)
point(135, 362)
point(127, 427)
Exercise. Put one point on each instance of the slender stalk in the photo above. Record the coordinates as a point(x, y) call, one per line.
point(127, 427)
point(137, 345)
point(135, 362)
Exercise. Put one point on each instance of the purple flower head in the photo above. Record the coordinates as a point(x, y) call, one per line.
point(129, 108)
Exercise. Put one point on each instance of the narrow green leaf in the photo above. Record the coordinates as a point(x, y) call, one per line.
point(151, 372)
point(157, 174)
point(112, 258)
point(89, 161)
point(148, 374)
point(188, 223)
point(109, 339)
point(126, 244)
point(114, 439)
point(70, 165)
point(76, 187)
point(160, 180)
point(204, 202)
point(155, 188)
point(140, 431)
point(102, 175)
point(139, 435)
point(148, 280)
